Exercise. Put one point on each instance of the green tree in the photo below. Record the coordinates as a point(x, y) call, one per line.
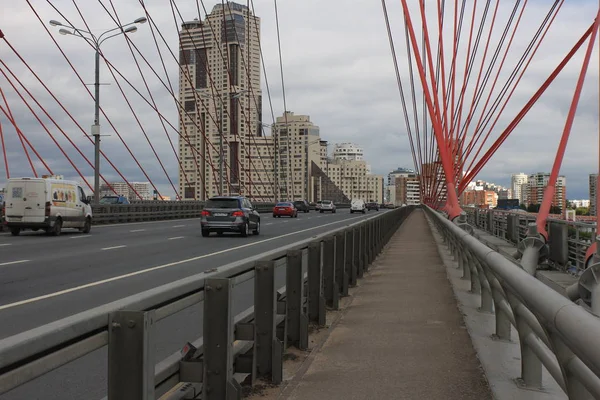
point(533, 208)
point(582, 211)
point(523, 206)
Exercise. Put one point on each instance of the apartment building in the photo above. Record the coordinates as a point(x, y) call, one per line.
point(143, 189)
point(352, 177)
point(408, 190)
point(516, 184)
point(593, 179)
point(536, 185)
point(221, 147)
point(479, 198)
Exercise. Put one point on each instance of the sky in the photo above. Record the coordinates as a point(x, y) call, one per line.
point(337, 68)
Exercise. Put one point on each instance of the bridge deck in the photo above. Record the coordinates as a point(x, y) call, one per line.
point(402, 337)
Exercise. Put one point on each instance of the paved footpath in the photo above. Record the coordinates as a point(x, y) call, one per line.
point(402, 337)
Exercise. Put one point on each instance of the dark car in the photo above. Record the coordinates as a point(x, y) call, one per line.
point(372, 206)
point(229, 214)
point(302, 205)
point(106, 200)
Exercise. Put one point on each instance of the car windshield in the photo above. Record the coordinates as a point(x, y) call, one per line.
point(283, 205)
point(222, 203)
point(299, 202)
point(326, 202)
point(109, 200)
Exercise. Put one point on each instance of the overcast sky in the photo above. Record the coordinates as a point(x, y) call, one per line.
point(338, 69)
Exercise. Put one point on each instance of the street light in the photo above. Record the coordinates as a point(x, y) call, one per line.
point(95, 42)
point(232, 95)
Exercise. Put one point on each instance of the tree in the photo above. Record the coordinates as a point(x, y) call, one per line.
point(533, 208)
point(582, 211)
point(522, 206)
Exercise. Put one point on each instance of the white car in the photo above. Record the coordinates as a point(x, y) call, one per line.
point(357, 205)
point(327, 205)
point(46, 203)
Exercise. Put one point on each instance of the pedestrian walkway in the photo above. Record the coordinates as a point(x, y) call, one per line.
point(402, 337)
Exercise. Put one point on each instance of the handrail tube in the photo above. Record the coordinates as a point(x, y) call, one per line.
point(41, 339)
point(577, 328)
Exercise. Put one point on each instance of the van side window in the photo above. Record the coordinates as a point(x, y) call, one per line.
point(81, 194)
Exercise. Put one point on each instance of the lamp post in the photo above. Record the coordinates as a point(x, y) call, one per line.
point(95, 42)
point(231, 95)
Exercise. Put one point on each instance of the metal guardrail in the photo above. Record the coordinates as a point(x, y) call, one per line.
point(140, 211)
point(317, 272)
point(553, 331)
point(512, 226)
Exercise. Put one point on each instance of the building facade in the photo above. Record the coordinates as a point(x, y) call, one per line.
point(536, 185)
point(516, 185)
point(408, 190)
point(133, 192)
point(221, 141)
point(593, 179)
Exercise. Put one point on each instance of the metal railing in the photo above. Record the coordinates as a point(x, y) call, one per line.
point(553, 331)
point(140, 211)
point(512, 226)
point(233, 347)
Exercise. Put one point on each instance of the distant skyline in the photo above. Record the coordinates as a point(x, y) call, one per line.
point(338, 74)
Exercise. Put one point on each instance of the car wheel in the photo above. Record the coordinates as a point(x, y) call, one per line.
point(57, 227)
point(245, 230)
point(87, 227)
point(321, 211)
point(257, 230)
point(205, 233)
point(274, 216)
point(333, 211)
point(351, 211)
point(219, 233)
point(363, 211)
point(15, 231)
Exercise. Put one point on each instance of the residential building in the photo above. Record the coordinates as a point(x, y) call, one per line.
point(593, 179)
point(131, 190)
point(536, 184)
point(353, 179)
point(579, 203)
point(391, 188)
point(516, 185)
point(408, 190)
point(220, 77)
point(479, 198)
point(348, 151)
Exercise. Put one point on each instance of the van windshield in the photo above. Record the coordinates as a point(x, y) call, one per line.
point(109, 200)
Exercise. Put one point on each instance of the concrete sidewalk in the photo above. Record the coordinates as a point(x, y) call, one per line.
point(402, 337)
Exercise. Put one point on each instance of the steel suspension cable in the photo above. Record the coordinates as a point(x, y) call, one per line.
point(19, 134)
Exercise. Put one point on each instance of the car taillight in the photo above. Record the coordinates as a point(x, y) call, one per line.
point(47, 210)
point(205, 213)
point(237, 214)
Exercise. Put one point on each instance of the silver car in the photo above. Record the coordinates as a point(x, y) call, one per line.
point(229, 214)
point(327, 205)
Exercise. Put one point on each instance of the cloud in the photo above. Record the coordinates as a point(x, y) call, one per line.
point(337, 69)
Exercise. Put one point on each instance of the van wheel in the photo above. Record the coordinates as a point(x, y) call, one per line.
point(87, 227)
point(15, 231)
point(57, 227)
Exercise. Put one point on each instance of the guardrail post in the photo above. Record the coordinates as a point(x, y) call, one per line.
point(341, 277)
point(269, 350)
point(360, 252)
point(351, 255)
point(316, 301)
point(368, 243)
point(329, 283)
point(218, 340)
point(131, 355)
point(297, 331)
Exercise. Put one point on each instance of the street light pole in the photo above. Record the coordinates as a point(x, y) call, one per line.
point(221, 152)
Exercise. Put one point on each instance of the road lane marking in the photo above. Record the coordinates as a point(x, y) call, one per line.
point(270, 223)
point(137, 230)
point(5, 244)
point(159, 267)
point(141, 223)
point(114, 247)
point(176, 237)
point(178, 226)
point(13, 262)
point(79, 237)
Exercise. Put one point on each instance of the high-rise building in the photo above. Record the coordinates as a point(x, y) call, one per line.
point(536, 185)
point(516, 184)
point(593, 178)
point(391, 189)
point(220, 115)
point(347, 151)
point(408, 190)
point(132, 190)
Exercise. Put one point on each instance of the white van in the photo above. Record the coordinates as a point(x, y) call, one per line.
point(46, 203)
point(357, 205)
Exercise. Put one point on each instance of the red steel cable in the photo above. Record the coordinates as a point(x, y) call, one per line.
point(542, 215)
point(4, 152)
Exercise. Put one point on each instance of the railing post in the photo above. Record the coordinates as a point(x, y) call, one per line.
point(351, 257)
point(361, 251)
point(218, 340)
point(131, 355)
point(329, 283)
point(316, 301)
point(297, 331)
point(341, 278)
point(269, 350)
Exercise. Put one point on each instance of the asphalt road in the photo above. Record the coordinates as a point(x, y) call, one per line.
point(44, 278)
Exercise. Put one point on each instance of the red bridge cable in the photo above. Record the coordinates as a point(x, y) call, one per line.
point(526, 108)
point(19, 134)
point(497, 103)
point(399, 82)
point(40, 121)
point(440, 10)
point(542, 215)
point(487, 118)
point(488, 72)
point(4, 152)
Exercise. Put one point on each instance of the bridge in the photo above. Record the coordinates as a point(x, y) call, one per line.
point(435, 300)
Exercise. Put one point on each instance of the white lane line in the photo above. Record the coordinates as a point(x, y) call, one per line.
point(141, 223)
point(158, 267)
point(13, 262)
point(270, 223)
point(176, 237)
point(137, 230)
point(114, 247)
point(79, 237)
point(178, 226)
point(5, 244)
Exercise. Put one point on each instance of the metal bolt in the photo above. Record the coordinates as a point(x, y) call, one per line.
point(131, 323)
point(219, 286)
point(116, 325)
point(208, 288)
